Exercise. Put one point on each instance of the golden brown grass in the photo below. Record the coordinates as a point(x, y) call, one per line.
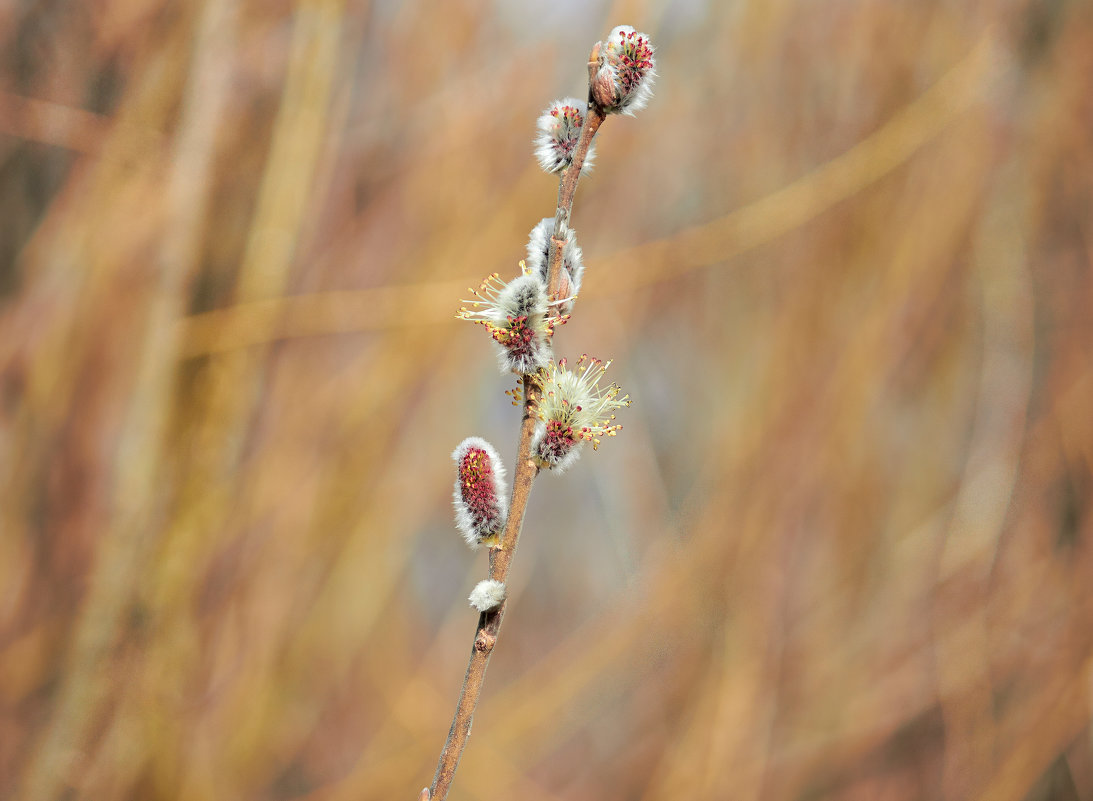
point(841, 550)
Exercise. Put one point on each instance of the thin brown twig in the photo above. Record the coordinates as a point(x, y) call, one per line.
point(489, 623)
point(567, 187)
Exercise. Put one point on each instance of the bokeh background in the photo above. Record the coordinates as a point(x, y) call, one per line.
point(841, 549)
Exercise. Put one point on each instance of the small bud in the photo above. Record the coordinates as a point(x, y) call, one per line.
point(624, 81)
point(480, 499)
point(515, 314)
point(539, 261)
point(559, 129)
point(573, 409)
point(487, 595)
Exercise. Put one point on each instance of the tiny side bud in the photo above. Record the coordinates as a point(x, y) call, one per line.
point(487, 595)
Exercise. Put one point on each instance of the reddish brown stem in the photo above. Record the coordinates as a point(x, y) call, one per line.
point(489, 623)
point(567, 188)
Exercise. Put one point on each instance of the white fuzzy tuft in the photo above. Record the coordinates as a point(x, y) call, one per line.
point(487, 595)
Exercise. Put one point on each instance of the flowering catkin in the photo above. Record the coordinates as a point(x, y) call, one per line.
point(624, 81)
point(480, 499)
point(487, 594)
point(573, 409)
point(516, 316)
point(559, 128)
point(538, 261)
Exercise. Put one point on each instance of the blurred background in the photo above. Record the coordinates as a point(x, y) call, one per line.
point(841, 549)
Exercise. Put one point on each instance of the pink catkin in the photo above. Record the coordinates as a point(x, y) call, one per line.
point(479, 494)
point(476, 478)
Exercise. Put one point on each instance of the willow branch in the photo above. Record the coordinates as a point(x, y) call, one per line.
point(489, 623)
point(567, 186)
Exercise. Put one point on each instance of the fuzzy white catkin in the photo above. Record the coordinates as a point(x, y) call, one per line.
point(538, 250)
point(515, 314)
point(524, 297)
point(573, 409)
point(487, 594)
point(629, 64)
point(481, 504)
point(559, 129)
